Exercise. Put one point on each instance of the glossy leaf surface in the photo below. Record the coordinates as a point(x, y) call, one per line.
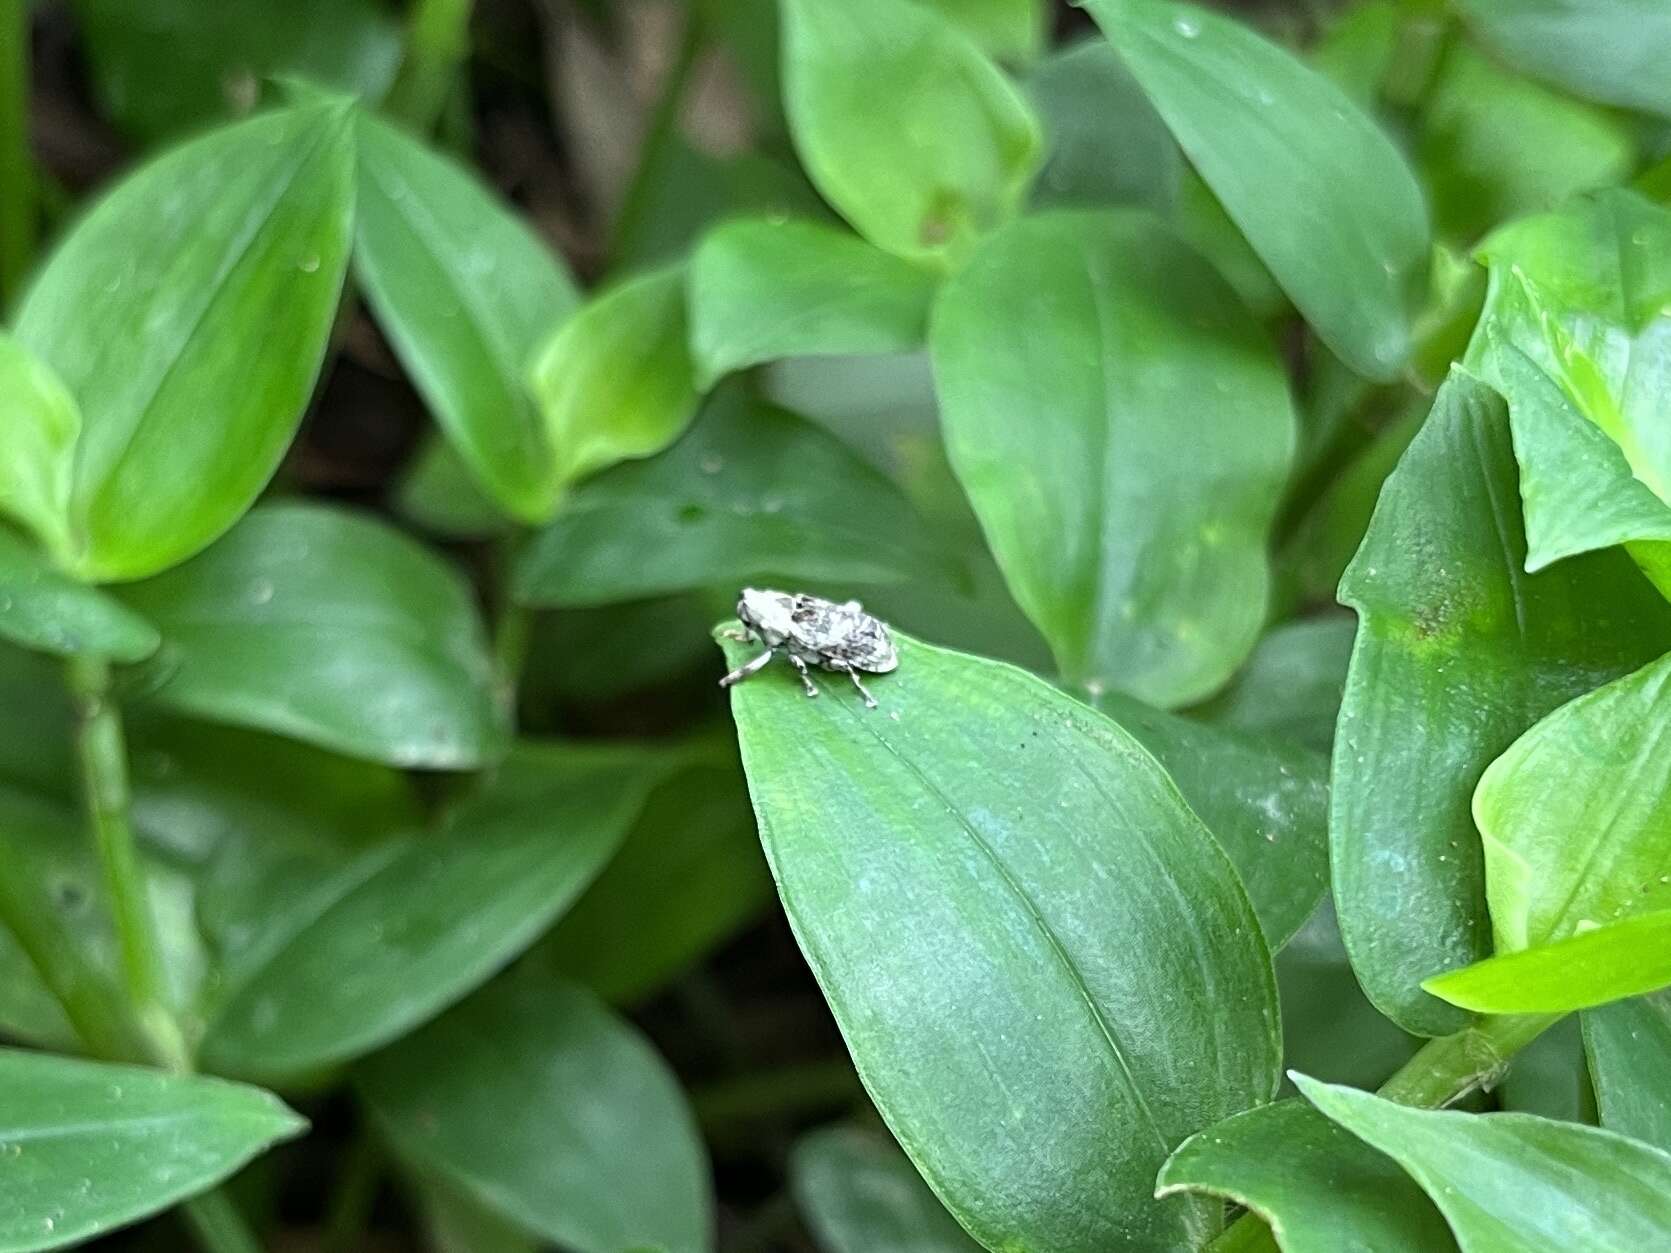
point(145, 313)
point(858, 1192)
point(39, 422)
point(1324, 197)
point(903, 124)
point(1088, 365)
point(1628, 1045)
point(1458, 652)
point(314, 622)
point(534, 1100)
point(464, 291)
point(90, 1147)
point(44, 609)
point(1054, 980)
point(1516, 1183)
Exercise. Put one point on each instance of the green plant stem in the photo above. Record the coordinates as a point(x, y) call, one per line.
point(104, 771)
point(437, 39)
point(17, 167)
point(218, 1224)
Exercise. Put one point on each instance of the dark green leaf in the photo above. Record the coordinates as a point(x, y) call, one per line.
point(437, 493)
point(1548, 1078)
point(1516, 1183)
point(534, 1100)
point(761, 289)
point(39, 422)
point(689, 874)
point(161, 66)
point(44, 609)
point(615, 381)
point(380, 943)
point(1291, 685)
point(146, 311)
point(1265, 801)
point(858, 1193)
point(1458, 652)
point(456, 1224)
point(1320, 1189)
point(750, 492)
point(1090, 365)
point(1615, 960)
point(464, 291)
point(1614, 51)
point(1573, 816)
point(37, 748)
point(1629, 1048)
point(904, 125)
point(314, 622)
point(87, 1147)
point(1321, 193)
point(1028, 940)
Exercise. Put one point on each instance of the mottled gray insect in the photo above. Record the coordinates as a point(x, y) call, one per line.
point(808, 630)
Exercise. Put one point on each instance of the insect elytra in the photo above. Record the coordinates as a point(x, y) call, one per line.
point(811, 631)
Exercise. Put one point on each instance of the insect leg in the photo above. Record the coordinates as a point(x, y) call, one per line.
point(806, 679)
point(747, 668)
point(741, 636)
point(847, 669)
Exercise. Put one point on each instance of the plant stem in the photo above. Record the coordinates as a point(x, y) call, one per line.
point(437, 38)
point(218, 1224)
point(17, 167)
point(104, 771)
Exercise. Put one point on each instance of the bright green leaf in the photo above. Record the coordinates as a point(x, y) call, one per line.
point(615, 381)
point(1516, 1183)
point(1458, 652)
point(858, 1193)
point(314, 622)
point(1614, 51)
point(1025, 935)
point(1321, 193)
point(904, 125)
point(385, 940)
point(1629, 1048)
point(1011, 30)
point(1320, 1189)
point(188, 314)
point(87, 1147)
point(464, 291)
point(44, 609)
point(1574, 815)
point(750, 492)
point(1090, 366)
point(39, 422)
point(763, 289)
point(1615, 960)
point(532, 1099)
point(1359, 48)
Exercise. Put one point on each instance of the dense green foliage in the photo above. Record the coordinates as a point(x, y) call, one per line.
point(1162, 903)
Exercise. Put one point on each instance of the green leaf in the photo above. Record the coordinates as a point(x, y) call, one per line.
point(1494, 145)
point(762, 289)
point(1618, 959)
point(615, 381)
point(903, 124)
point(688, 875)
point(1614, 51)
point(1476, 650)
point(1320, 1189)
point(1359, 48)
point(1025, 935)
point(44, 609)
point(1292, 683)
point(858, 1193)
point(534, 1100)
point(87, 1147)
point(1011, 30)
point(37, 725)
point(317, 623)
point(455, 1224)
point(1573, 816)
point(1266, 803)
point(1090, 365)
point(1321, 193)
point(464, 291)
point(162, 66)
point(39, 422)
point(1547, 1077)
point(146, 309)
point(378, 944)
point(1575, 335)
point(750, 492)
point(1629, 1048)
point(438, 493)
point(1516, 1183)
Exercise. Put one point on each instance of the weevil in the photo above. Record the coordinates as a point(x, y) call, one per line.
point(810, 631)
